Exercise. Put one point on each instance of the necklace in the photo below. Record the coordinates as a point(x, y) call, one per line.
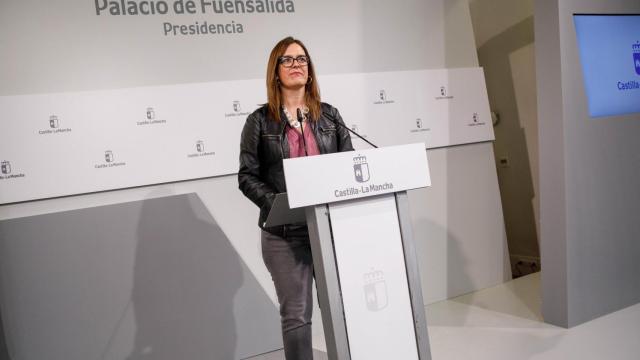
point(292, 121)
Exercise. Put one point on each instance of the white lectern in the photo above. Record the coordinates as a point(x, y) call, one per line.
point(363, 252)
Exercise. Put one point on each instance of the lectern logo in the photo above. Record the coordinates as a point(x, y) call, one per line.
point(151, 114)
point(443, 91)
point(108, 156)
point(236, 106)
point(475, 117)
point(419, 123)
point(200, 146)
point(382, 95)
point(361, 168)
point(53, 122)
point(375, 290)
point(5, 166)
point(636, 56)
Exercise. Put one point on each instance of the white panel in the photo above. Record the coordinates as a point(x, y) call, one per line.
point(440, 107)
point(373, 279)
point(355, 174)
point(72, 143)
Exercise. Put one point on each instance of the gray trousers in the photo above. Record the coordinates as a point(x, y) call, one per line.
point(289, 261)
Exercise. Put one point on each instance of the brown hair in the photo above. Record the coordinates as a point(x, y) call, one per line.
point(274, 96)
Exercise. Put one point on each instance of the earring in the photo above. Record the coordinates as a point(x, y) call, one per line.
point(310, 80)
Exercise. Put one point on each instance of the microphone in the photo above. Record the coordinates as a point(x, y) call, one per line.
point(338, 123)
point(301, 120)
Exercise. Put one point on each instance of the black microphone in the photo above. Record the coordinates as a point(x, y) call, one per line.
point(300, 120)
point(338, 123)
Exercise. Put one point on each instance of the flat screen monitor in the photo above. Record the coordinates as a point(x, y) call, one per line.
point(609, 47)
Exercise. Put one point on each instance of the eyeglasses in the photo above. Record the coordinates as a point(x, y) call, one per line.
point(287, 61)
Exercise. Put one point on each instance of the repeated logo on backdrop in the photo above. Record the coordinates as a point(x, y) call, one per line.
point(443, 93)
point(6, 167)
point(150, 118)
point(475, 120)
point(200, 150)
point(109, 161)
point(419, 126)
point(382, 98)
point(7, 172)
point(54, 127)
point(236, 106)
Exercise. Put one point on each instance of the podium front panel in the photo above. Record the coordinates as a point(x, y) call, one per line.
point(373, 279)
point(350, 175)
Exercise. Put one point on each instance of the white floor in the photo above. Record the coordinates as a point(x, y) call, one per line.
point(504, 322)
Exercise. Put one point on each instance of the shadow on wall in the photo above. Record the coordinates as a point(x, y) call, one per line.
point(437, 238)
point(515, 177)
point(4, 352)
point(186, 276)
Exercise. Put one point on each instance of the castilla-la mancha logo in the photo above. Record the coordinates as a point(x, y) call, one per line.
point(636, 56)
point(375, 290)
point(237, 110)
point(108, 156)
point(361, 168)
point(53, 122)
point(383, 98)
point(6, 167)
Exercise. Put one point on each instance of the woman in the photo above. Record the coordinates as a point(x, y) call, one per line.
point(271, 134)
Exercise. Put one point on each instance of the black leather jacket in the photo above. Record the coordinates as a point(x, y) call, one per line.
point(263, 146)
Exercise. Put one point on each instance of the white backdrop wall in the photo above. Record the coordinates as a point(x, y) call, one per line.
point(458, 221)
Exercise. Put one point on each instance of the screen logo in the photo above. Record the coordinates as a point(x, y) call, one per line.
point(636, 56)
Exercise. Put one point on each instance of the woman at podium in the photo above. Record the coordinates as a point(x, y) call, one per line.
point(294, 122)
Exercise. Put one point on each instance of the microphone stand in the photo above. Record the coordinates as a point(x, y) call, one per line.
point(301, 121)
point(338, 123)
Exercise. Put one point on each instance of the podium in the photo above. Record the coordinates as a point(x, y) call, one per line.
point(356, 208)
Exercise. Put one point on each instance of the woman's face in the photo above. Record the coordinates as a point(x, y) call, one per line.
point(295, 76)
